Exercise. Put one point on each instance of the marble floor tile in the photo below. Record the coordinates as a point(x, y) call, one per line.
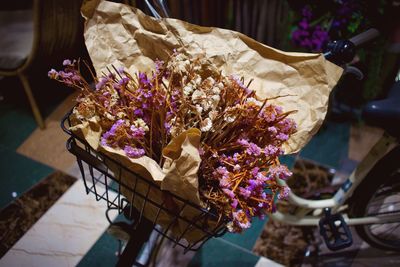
point(63, 235)
point(18, 216)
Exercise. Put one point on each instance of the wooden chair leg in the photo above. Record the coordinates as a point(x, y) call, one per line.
point(32, 101)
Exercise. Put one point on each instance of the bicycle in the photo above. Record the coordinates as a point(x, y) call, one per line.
point(100, 180)
point(369, 198)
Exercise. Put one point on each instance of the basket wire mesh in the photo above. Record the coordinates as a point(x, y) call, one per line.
point(100, 181)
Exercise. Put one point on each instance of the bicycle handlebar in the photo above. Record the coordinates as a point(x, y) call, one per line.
point(364, 37)
point(341, 52)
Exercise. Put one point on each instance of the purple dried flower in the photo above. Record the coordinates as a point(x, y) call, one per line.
point(101, 83)
point(143, 79)
point(222, 171)
point(272, 150)
point(241, 219)
point(241, 85)
point(234, 203)
point(123, 81)
point(262, 178)
point(53, 74)
point(284, 193)
point(253, 149)
point(280, 171)
point(229, 193)
point(121, 70)
point(167, 127)
point(138, 112)
point(67, 62)
point(137, 132)
point(254, 171)
point(253, 184)
point(282, 136)
point(243, 142)
point(201, 151)
point(133, 152)
point(273, 129)
point(224, 182)
point(235, 157)
point(159, 64)
point(245, 192)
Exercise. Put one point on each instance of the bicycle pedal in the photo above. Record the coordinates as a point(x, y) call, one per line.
point(335, 231)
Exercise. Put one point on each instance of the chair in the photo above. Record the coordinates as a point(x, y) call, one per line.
point(37, 33)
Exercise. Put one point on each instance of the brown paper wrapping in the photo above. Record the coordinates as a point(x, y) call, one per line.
point(124, 36)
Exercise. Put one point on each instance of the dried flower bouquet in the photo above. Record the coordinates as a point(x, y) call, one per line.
point(241, 135)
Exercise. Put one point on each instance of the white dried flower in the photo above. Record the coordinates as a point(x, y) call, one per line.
point(229, 119)
point(109, 116)
point(206, 125)
point(120, 114)
point(206, 104)
point(215, 100)
point(174, 131)
point(236, 167)
point(139, 123)
point(213, 114)
point(197, 80)
point(216, 90)
point(199, 109)
point(197, 95)
point(188, 89)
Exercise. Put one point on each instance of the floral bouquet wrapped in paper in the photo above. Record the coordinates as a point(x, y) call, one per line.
point(169, 103)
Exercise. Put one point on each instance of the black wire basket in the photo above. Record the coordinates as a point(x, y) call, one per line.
point(108, 185)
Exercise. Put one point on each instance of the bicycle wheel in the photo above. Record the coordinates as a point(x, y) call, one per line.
point(379, 194)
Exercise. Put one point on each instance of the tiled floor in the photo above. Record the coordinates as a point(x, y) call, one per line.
point(17, 172)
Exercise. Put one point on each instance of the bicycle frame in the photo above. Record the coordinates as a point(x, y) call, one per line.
point(337, 203)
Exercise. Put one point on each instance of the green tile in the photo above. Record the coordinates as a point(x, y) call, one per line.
point(288, 160)
point(102, 254)
point(248, 238)
point(18, 174)
point(219, 252)
point(329, 145)
point(15, 126)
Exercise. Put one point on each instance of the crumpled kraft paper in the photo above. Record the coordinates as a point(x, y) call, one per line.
point(124, 36)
